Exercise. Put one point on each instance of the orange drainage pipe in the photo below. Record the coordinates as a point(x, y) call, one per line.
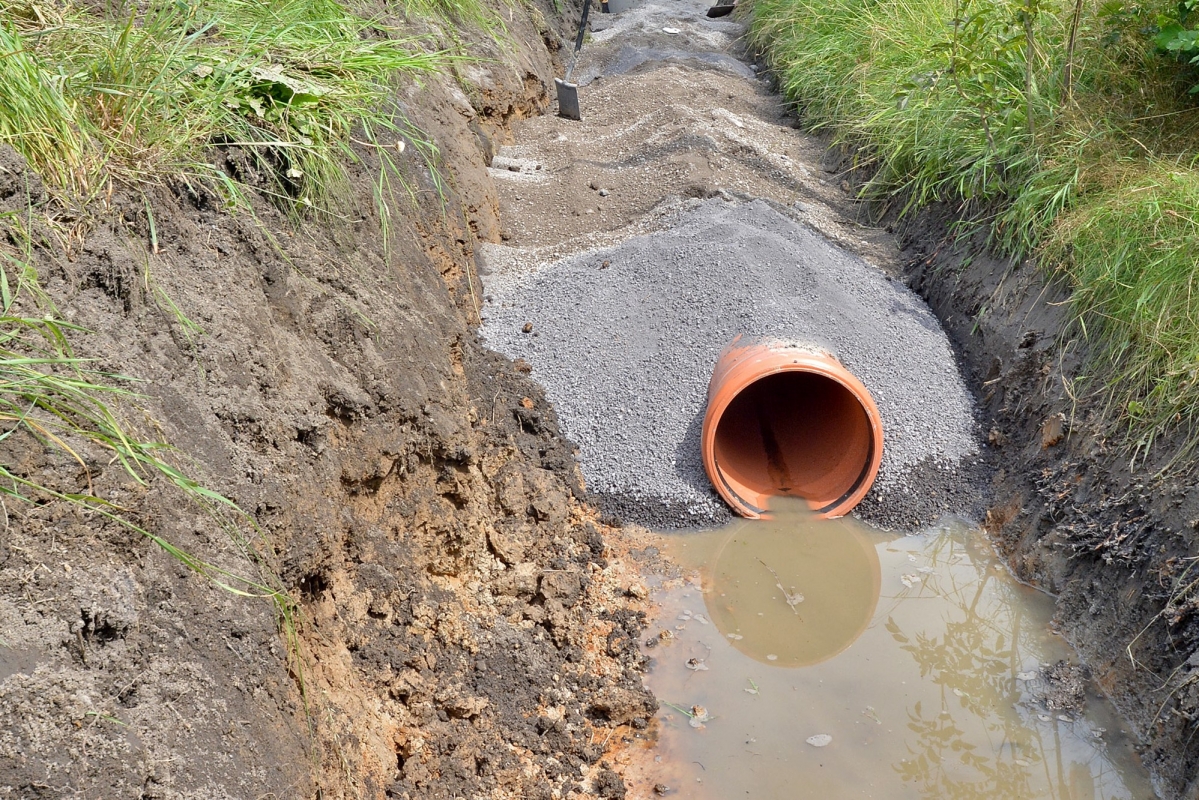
point(787, 420)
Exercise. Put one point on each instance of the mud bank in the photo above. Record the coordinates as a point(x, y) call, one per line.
point(1070, 512)
point(464, 625)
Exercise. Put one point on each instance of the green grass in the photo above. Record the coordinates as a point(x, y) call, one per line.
point(459, 12)
point(944, 101)
point(1131, 255)
point(152, 93)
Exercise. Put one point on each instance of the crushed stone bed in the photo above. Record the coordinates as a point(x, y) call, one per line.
point(624, 339)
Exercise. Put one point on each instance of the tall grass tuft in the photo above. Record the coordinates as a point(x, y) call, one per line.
point(947, 100)
point(35, 117)
point(1131, 256)
point(155, 91)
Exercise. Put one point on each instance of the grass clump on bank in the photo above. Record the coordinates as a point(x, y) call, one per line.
point(149, 91)
point(1065, 127)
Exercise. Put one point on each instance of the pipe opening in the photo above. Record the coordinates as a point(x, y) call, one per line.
point(795, 433)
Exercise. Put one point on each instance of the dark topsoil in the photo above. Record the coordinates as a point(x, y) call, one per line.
point(1070, 514)
point(464, 626)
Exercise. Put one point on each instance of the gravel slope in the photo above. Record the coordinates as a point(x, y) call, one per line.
point(624, 339)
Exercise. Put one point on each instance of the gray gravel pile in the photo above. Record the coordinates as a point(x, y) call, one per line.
point(624, 340)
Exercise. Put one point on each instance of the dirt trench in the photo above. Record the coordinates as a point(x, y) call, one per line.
point(671, 119)
point(469, 624)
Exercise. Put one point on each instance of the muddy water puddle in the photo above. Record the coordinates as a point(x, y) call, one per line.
point(801, 658)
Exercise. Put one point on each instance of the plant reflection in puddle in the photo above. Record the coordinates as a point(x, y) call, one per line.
point(836, 661)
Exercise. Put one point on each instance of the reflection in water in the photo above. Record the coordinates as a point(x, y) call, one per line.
point(792, 595)
point(932, 693)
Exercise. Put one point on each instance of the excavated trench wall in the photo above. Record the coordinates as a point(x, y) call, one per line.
point(463, 624)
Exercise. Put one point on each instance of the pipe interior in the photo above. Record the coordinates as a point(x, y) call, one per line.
point(795, 433)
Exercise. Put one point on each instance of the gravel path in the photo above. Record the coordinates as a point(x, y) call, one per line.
point(624, 339)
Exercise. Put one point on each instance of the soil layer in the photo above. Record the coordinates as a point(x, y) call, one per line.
point(464, 626)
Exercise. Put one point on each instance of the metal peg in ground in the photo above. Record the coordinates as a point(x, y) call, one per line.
point(784, 419)
point(722, 8)
point(568, 93)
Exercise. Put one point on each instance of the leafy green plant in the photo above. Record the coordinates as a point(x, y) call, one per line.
point(1178, 38)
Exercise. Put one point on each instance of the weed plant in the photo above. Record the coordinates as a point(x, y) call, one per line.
point(1059, 126)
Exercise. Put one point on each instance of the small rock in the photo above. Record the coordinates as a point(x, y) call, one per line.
point(618, 705)
point(1066, 686)
point(819, 740)
point(465, 707)
point(1053, 430)
point(603, 192)
point(562, 586)
point(637, 590)
point(527, 328)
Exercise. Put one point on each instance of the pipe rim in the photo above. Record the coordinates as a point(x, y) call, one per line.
point(797, 360)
